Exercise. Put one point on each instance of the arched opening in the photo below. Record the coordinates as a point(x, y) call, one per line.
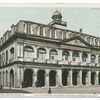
point(53, 54)
point(84, 57)
point(6, 78)
point(11, 78)
point(41, 78)
point(28, 52)
point(93, 57)
point(65, 55)
point(28, 75)
point(41, 53)
point(11, 55)
point(99, 59)
point(52, 78)
point(0, 79)
point(99, 78)
point(84, 77)
point(3, 79)
point(65, 77)
point(93, 76)
point(75, 55)
point(75, 78)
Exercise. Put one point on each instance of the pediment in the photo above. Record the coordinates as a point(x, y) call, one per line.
point(78, 41)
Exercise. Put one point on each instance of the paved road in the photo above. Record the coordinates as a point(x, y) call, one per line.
point(13, 91)
point(56, 90)
point(66, 90)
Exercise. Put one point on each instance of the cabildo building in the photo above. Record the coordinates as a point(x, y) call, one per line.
point(48, 55)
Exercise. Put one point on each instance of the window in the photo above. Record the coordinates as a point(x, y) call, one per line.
point(84, 57)
point(0, 59)
point(53, 54)
point(3, 58)
point(64, 34)
point(28, 52)
point(47, 32)
point(93, 57)
point(52, 33)
point(59, 34)
point(99, 58)
point(41, 53)
point(65, 55)
point(6, 57)
point(88, 39)
point(35, 29)
point(11, 55)
point(41, 31)
point(75, 55)
point(12, 50)
point(28, 28)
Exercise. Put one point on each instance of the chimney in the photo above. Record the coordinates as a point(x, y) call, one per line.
point(80, 30)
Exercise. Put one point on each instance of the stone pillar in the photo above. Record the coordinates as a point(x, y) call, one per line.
point(47, 54)
point(21, 76)
point(35, 52)
point(59, 54)
point(88, 79)
point(80, 56)
point(18, 83)
point(47, 78)
point(4, 84)
point(70, 78)
point(97, 78)
point(80, 78)
point(59, 77)
point(38, 31)
point(70, 56)
point(96, 61)
point(35, 77)
point(8, 78)
point(89, 58)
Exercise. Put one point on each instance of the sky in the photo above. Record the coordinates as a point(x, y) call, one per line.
point(86, 18)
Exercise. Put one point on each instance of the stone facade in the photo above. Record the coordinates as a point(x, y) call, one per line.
point(33, 54)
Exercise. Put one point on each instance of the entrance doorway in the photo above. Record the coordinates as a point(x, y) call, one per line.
point(65, 77)
point(75, 77)
point(28, 75)
point(41, 78)
point(52, 78)
point(11, 78)
point(84, 78)
point(93, 75)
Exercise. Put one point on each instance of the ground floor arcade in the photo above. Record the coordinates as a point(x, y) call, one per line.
point(32, 77)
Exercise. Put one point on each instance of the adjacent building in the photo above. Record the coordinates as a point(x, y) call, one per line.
point(33, 54)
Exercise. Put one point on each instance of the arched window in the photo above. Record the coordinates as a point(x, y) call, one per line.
point(99, 58)
point(12, 50)
point(28, 52)
point(75, 55)
point(84, 57)
point(41, 53)
point(53, 54)
point(93, 57)
point(65, 55)
point(11, 55)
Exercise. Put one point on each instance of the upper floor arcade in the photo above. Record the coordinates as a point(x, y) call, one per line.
point(50, 55)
